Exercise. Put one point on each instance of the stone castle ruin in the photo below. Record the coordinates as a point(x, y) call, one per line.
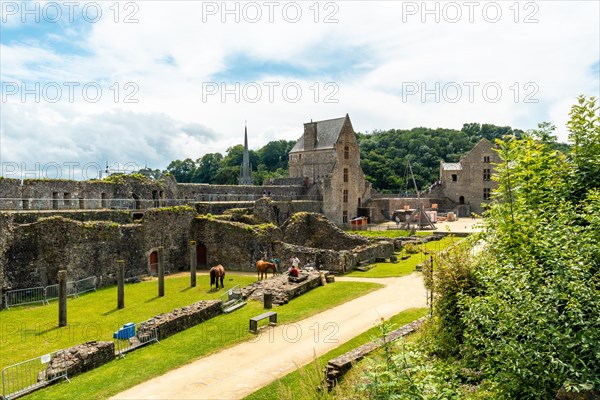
point(86, 226)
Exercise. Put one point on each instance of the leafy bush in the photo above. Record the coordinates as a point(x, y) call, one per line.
point(532, 325)
point(412, 248)
point(521, 312)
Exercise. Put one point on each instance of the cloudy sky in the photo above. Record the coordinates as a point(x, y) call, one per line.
point(147, 82)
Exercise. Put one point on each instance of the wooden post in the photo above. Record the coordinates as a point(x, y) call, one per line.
point(62, 298)
point(161, 271)
point(120, 284)
point(193, 263)
point(431, 293)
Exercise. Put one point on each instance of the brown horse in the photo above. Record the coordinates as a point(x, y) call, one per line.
point(263, 267)
point(217, 272)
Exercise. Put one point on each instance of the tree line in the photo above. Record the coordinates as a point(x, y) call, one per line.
point(384, 156)
point(270, 161)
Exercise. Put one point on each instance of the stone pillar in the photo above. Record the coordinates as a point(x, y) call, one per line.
point(268, 300)
point(193, 263)
point(43, 275)
point(120, 284)
point(161, 271)
point(62, 298)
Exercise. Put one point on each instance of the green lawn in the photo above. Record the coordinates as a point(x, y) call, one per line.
point(186, 346)
point(27, 332)
point(302, 383)
point(405, 267)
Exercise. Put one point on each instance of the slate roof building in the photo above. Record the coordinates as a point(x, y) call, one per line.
point(327, 155)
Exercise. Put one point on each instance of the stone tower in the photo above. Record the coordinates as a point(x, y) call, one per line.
point(327, 155)
point(246, 168)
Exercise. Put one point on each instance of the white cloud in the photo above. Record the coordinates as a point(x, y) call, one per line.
point(370, 54)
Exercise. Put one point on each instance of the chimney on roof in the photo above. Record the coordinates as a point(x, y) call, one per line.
point(310, 135)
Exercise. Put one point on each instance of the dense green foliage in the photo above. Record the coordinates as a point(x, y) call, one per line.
point(520, 318)
point(384, 154)
point(271, 161)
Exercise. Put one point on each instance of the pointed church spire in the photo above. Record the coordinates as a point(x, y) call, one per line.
point(246, 167)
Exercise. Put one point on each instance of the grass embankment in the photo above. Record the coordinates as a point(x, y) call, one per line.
point(393, 233)
point(405, 267)
point(179, 349)
point(302, 383)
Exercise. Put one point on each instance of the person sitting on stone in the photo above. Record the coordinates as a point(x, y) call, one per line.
point(295, 261)
point(294, 271)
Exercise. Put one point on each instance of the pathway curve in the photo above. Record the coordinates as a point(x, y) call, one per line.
point(244, 368)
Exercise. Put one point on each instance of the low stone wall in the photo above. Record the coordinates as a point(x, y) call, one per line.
point(330, 260)
point(81, 358)
point(383, 249)
point(399, 242)
point(315, 230)
point(282, 290)
point(338, 366)
point(180, 319)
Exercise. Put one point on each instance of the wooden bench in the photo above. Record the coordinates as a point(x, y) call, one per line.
point(272, 315)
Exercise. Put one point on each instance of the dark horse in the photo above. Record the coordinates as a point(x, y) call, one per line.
point(263, 267)
point(217, 272)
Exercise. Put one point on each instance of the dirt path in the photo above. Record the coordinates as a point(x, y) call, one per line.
point(240, 370)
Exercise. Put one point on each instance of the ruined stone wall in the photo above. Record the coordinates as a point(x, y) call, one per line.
point(205, 192)
point(10, 194)
point(285, 209)
point(98, 194)
point(40, 249)
point(329, 260)
point(371, 252)
point(314, 230)
point(277, 212)
point(6, 238)
point(89, 248)
point(286, 181)
point(282, 209)
point(118, 216)
point(235, 245)
point(48, 194)
point(180, 319)
point(137, 192)
point(220, 207)
point(170, 228)
point(124, 191)
point(81, 358)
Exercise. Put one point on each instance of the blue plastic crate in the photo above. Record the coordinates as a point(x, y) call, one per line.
point(126, 332)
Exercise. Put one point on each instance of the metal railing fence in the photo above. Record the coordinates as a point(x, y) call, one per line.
point(52, 291)
point(25, 296)
point(141, 338)
point(61, 204)
point(43, 294)
point(86, 285)
point(23, 377)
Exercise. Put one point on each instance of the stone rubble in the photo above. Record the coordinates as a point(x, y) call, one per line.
point(281, 288)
